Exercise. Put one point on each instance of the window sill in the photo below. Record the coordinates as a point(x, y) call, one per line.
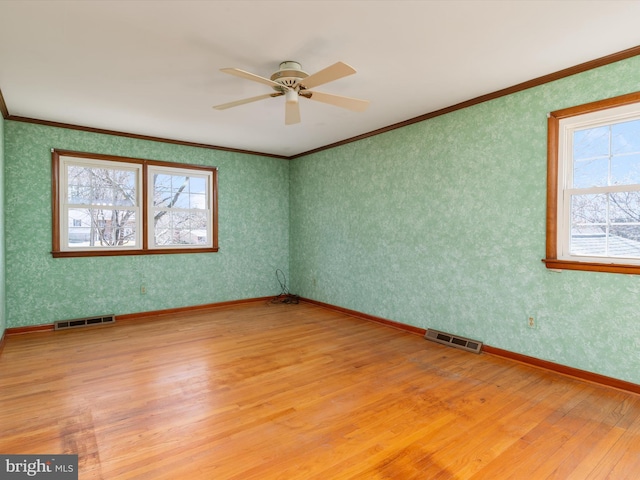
point(556, 264)
point(114, 253)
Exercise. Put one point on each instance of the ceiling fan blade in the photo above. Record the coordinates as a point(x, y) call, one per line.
point(291, 113)
point(250, 76)
point(349, 103)
point(224, 106)
point(329, 74)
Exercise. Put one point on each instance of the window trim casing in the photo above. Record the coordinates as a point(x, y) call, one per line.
point(56, 193)
point(551, 260)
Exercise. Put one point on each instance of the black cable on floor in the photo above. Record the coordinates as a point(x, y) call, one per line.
point(285, 296)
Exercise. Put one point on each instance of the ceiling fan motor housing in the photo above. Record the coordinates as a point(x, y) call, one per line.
point(289, 74)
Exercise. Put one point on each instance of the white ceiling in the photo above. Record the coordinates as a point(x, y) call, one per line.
point(152, 67)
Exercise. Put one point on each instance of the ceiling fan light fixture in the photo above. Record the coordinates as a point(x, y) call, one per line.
point(290, 65)
point(291, 96)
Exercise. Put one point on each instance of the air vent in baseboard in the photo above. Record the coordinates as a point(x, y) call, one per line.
point(83, 322)
point(454, 341)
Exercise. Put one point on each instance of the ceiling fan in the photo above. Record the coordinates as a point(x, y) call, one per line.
point(293, 82)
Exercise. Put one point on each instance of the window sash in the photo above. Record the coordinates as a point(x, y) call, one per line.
point(189, 231)
point(96, 232)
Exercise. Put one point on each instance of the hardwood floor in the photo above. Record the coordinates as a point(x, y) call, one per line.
point(260, 391)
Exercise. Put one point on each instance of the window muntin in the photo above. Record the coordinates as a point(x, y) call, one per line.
point(106, 205)
point(594, 164)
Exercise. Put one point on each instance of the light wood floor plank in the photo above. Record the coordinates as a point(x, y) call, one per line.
point(261, 391)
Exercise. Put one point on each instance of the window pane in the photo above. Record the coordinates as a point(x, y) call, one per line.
point(179, 183)
point(180, 228)
point(161, 190)
point(625, 170)
point(168, 228)
point(162, 181)
point(193, 229)
point(620, 241)
point(199, 221)
point(198, 185)
point(588, 210)
point(79, 189)
point(588, 244)
point(79, 194)
point(181, 200)
point(95, 227)
point(101, 186)
point(162, 228)
point(197, 201)
point(588, 225)
point(606, 225)
point(591, 142)
point(624, 232)
point(179, 191)
point(624, 207)
point(624, 241)
point(171, 191)
point(593, 172)
point(625, 137)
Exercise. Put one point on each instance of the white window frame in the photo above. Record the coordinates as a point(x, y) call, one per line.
point(561, 125)
point(568, 126)
point(177, 171)
point(65, 206)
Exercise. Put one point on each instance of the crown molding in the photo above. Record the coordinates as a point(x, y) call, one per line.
point(3, 107)
point(103, 131)
point(567, 72)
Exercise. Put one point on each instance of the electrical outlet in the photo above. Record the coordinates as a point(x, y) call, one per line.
point(531, 322)
point(143, 289)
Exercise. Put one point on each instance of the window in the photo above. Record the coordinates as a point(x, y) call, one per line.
point(593, 191)
point(105, 205)
point(180, 209)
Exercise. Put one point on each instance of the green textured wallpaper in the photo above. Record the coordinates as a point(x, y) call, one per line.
point(441, 224)
point(253, 234)
point(3, 317)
